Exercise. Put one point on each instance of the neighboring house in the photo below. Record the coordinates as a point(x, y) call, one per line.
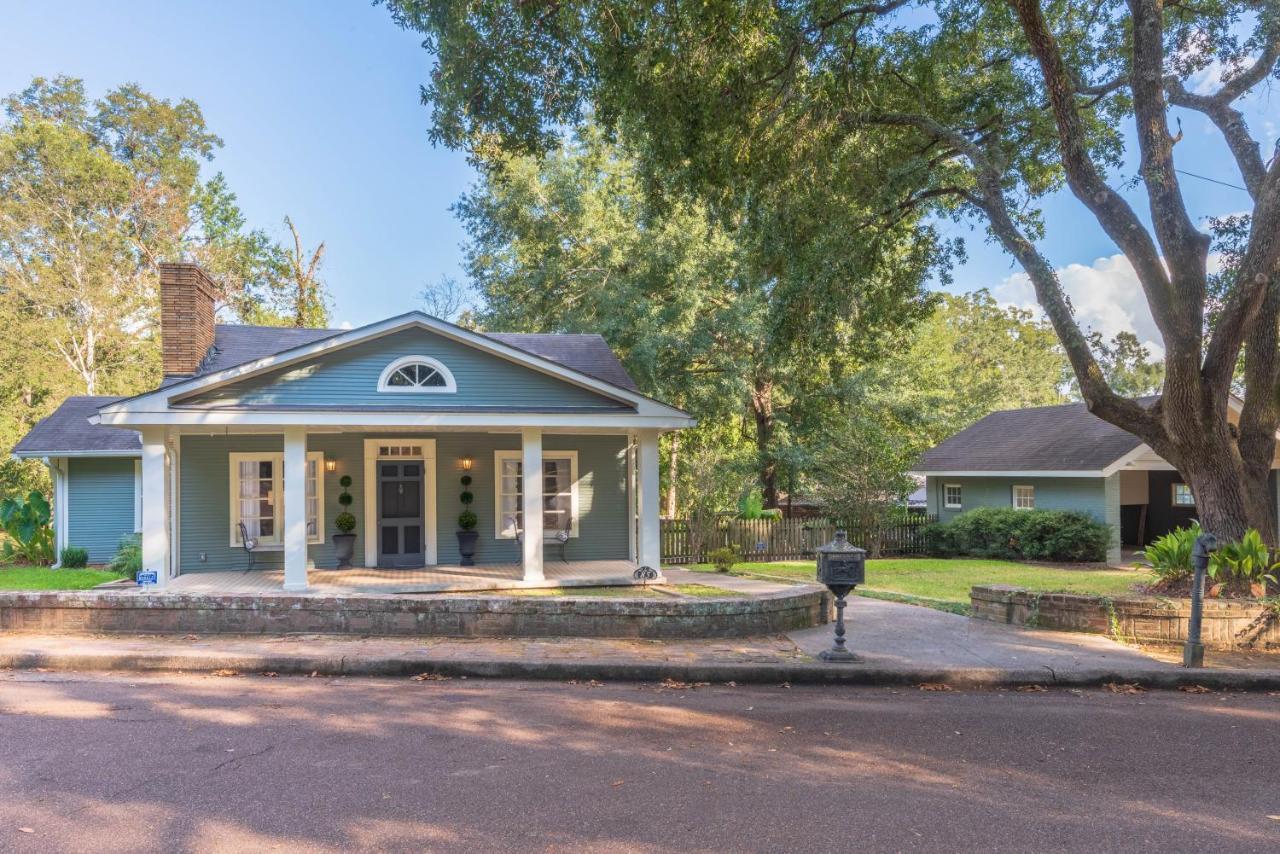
point(1061, 458)
point(256, 425)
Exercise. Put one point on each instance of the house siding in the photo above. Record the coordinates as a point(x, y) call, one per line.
point(349, 378)
point(100, 504)
point(204, 544)
point(1083, 494)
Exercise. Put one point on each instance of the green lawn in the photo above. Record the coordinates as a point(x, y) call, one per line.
point(950, 580)
point(44, 578)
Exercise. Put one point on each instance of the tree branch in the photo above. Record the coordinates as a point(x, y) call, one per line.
point(1114, 214)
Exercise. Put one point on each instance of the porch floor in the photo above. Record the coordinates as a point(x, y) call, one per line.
point(432, 579)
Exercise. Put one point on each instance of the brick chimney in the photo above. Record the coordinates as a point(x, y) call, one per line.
point(187, 297)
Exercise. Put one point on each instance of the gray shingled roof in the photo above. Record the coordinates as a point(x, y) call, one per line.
point(589, 354)
point(68, 431)
point(1046, 438)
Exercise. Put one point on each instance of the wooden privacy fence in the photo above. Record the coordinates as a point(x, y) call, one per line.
point(786, 539)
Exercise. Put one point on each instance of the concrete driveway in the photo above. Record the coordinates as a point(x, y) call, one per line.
point(889, 634)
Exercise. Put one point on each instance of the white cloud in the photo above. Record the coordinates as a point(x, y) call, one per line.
point(1106, 297)
point(346, 324)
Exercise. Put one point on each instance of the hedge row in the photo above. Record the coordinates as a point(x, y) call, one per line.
point(997, 532)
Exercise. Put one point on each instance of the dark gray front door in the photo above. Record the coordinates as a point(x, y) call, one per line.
point(400, 529)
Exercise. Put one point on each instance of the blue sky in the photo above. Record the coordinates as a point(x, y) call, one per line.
point(318, 106)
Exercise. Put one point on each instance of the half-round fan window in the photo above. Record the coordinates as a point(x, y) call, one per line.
point(416, 374)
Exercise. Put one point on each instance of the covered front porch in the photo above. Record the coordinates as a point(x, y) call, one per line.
point(591, 502)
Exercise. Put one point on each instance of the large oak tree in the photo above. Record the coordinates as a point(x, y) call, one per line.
point(973, 108)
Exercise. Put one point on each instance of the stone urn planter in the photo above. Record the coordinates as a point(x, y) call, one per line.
point(344, 541)
point(344, 546)
point(467, 547)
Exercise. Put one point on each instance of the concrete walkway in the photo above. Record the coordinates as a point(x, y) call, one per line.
point(897, 644)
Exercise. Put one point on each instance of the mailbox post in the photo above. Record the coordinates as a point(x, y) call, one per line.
point(842, 566)
point(1193, 650)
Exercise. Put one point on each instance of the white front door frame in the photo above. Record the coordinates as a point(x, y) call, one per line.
point(371, 457)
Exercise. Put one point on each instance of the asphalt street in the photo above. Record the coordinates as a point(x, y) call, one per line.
point(248, 763)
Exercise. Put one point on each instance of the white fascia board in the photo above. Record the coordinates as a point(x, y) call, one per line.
point(40, 455)
point(377, 330)
point(1013, 473)
point(365, 418)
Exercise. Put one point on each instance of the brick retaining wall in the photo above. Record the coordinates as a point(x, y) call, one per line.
point(1145, 619)
point(85, 612)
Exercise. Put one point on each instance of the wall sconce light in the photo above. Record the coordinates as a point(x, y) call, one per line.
point(330, 465)
point(466, 463)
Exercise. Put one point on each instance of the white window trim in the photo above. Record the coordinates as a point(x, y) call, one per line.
point(946, 504)
point(234, 459)
point(449, 387)
point(1173, 496)
point(518, 456)
point(1014, 496)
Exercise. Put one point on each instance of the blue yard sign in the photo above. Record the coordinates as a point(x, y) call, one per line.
point(146, 576)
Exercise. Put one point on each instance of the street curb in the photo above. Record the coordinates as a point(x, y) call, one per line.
point(800, 673)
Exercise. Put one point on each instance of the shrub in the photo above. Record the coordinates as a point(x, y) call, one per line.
point(1008, 534)
point(128, 559)
point(345, 521)
point(26, 523)
point(1245, 562)
point(466, 480)
point(73, 557)
point(1169, 557)
point(466, 497)
point(467, 520)
point(723, 558)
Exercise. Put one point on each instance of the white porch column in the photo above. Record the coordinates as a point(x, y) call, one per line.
point(531, 506)
point(295, 508)
point(155, 529)
point(647, 500)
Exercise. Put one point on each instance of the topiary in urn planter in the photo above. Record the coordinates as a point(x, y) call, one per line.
point(344, 542)
point(467, 521)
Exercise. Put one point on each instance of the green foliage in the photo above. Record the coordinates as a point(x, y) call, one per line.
point(465, 480)
point(92, 194)
point(128, 557)
point(29, 536)
point(1246, 561)
point(467, 520)
point(466, 497)
point(970, 357)
point(73, 557)
point(1169, 557)
point(345, 521)
point(751, 505)
point(710, 310)
point(723, 558)
point(1002, 532)
point(863, 478)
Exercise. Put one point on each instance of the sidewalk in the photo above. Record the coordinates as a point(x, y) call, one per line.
point(897, 645)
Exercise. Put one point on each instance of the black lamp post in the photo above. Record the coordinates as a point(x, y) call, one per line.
point(1193, 650)
point(842, 566)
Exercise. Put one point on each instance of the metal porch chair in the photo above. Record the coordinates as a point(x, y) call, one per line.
point(248, 544)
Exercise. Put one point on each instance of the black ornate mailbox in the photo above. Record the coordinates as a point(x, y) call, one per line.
point(842, 566)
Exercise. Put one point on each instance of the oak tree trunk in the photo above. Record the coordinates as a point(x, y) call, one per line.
point(762, 411)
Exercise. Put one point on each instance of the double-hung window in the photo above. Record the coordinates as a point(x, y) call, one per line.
point(257, 497)
point(559, 493)
point(1024, 498)
point(951, 495)
point(1182, 496)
